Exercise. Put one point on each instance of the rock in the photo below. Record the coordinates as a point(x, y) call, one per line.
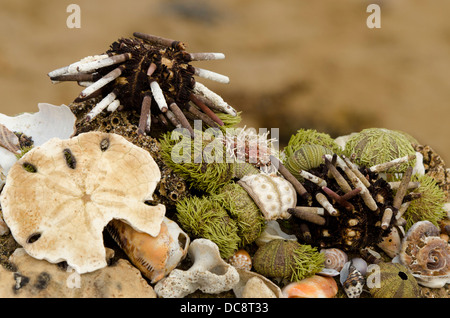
point(34, 278)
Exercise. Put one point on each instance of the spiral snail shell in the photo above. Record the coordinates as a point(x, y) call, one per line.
point(426, 255)
point(334, 258)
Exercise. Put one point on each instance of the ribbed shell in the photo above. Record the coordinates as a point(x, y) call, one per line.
point(334, 258)
point(395, 282)
point(306, 158)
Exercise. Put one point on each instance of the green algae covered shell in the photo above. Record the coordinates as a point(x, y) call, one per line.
point(374, 146)
point(287, 259)
point(394, 281)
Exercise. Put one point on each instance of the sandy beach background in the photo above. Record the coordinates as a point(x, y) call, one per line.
point(292, 63)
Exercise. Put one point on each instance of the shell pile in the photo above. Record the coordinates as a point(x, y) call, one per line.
point(323, 218)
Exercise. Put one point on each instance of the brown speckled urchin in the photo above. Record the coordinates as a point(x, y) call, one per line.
point(151, 75)
point(350, 207)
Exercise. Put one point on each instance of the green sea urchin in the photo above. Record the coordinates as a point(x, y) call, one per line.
point(374, 146)
point(287, 259)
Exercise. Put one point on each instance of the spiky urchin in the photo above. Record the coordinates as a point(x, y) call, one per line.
point(152, 75)
point(353, 206)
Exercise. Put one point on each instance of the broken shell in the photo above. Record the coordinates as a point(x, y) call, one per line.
point(393, 280)
point(209, 273)
point(334, 258)
point(311, 287)
point(49, 122)
point(274, 195)
point(156, 256)
point(353, 285)
point(73, 188)
point(273, 231)
point(241, 259)
point(391, 244)
point(426, 255)
point(254, 285)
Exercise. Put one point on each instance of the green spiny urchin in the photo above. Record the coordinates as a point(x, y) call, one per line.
point(243, 210)
point(374, 146)
point(310, 137)
point(206, 218)
point(287, 259)
point(201, 162)
point(430, 205)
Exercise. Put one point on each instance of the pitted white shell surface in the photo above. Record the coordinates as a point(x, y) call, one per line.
point(273, 194)
point(58, 207)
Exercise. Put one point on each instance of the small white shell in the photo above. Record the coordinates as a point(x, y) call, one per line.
point(273, 231)
point(274, 195)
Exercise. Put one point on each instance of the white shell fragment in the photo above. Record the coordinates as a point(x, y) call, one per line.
point(50, 121)
point(59, 197)
point(209, 273)
point(274, 195)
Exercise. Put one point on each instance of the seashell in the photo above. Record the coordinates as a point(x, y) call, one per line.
point(209, 273)
point(254, 285)
point(49, 122)
point(426, 255)
point(391, 243)
point(287, 259)
point(305, 158)
point(274, 195)
point(392, 280)
point(334, 258)
point(156, 256)
point(328, 272)
point(241, 259)
point(273, 231)
point(353, 285)
point(311, 287)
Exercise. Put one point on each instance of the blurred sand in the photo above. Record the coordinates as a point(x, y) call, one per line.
point(293, 63)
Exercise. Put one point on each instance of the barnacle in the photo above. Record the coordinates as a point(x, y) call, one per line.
point(151, 75)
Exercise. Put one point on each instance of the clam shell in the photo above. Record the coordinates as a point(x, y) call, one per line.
point(312, 287)
point(334, 258)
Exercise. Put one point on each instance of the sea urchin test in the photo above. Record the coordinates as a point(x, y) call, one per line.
point(59, 197)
